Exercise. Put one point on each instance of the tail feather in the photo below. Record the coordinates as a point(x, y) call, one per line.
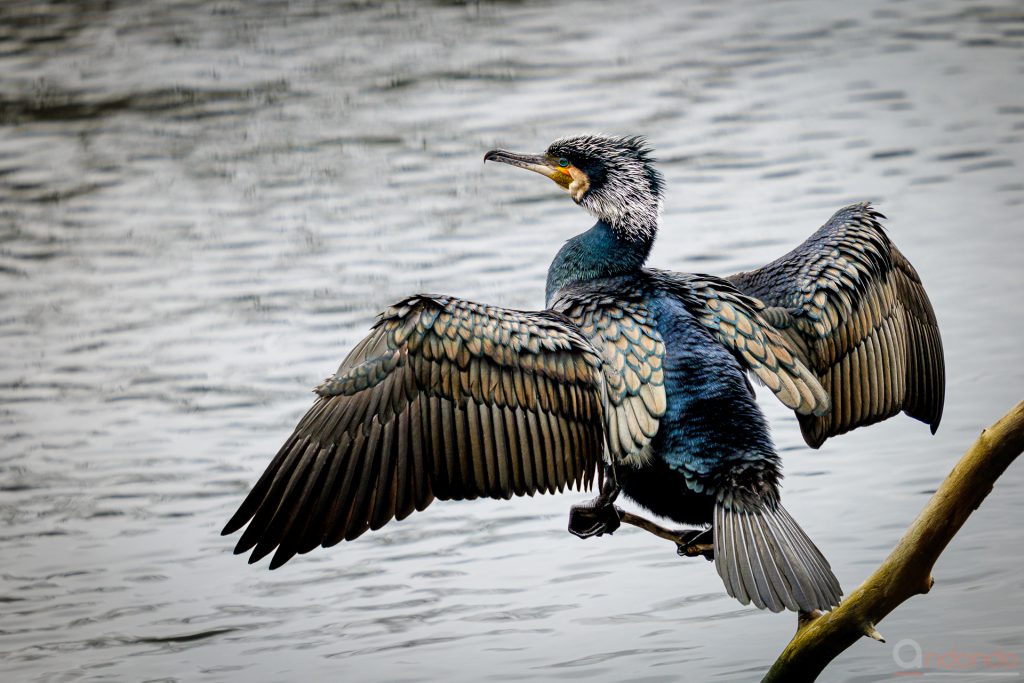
point(764, 557)
point(825, 582)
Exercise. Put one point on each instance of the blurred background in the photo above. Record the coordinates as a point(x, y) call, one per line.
point(204, 204)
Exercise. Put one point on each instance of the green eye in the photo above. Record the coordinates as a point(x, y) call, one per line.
point(563, 162)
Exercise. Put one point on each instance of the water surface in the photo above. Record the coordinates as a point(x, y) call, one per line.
point(204, 205)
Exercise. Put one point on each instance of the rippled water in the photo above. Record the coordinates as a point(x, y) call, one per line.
point(204, 204)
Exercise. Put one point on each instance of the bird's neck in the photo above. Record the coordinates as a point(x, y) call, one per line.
point(597, 253)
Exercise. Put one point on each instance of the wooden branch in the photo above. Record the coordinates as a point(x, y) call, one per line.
point(684, 540)
point(821, 637)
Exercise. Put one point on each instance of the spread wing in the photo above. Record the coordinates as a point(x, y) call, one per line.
point(444, 399)
point(857, 314)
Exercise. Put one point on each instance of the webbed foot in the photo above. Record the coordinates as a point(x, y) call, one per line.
point(593, 519)
point(694, 543)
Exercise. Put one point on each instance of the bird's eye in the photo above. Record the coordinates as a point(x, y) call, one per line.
point(563, 162)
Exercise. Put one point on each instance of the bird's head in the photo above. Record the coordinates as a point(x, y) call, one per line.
point(611, 177)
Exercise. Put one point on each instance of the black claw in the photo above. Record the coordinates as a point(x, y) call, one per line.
point(590, 520)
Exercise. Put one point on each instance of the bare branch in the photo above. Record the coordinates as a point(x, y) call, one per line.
point(686, 540)
point(821, 637)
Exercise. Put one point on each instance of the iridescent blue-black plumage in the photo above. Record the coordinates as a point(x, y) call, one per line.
point(710, 454)
point(642, 370)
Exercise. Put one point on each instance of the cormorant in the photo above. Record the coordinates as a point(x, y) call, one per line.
point(635, 374)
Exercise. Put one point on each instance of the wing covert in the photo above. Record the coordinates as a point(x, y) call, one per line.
point(625, 334)
point(735, 321)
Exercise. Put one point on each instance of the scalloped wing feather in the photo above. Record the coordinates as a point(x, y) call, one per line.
point(734, 321)
point(633, 352)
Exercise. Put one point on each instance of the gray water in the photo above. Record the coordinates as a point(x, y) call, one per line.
point(205, 203)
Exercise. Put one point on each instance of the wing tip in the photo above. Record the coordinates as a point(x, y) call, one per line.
point(280, 558)
point(244, 545)
point(259, 553)
point(811, 428)
point(237, 521)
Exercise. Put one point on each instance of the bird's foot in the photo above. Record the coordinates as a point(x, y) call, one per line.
point(593, 519)
point(696, 543)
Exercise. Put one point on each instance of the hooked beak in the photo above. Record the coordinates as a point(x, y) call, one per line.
point(538, 163)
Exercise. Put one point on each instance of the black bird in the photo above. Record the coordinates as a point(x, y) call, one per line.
point(635, 374)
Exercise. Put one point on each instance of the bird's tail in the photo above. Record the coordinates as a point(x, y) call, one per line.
point(764, 557)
